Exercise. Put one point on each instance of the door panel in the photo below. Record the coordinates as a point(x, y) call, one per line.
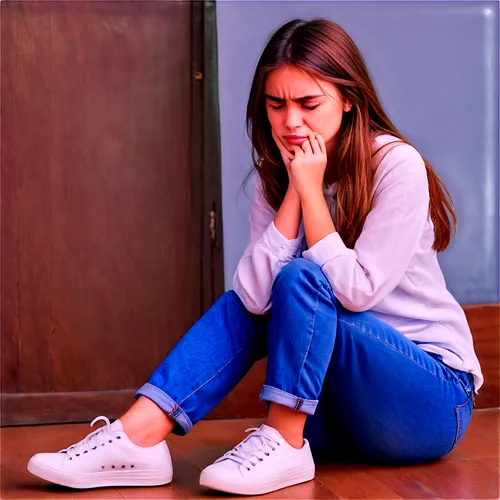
point(101, 216)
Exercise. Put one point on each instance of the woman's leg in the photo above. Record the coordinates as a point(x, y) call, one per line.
point(385, 399)
point(299, 345)
point(204, 366)
point(145, 423)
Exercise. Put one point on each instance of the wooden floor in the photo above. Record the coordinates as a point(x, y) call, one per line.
point(470, 471)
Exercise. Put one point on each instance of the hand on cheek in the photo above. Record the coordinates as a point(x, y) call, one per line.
point(307, 168)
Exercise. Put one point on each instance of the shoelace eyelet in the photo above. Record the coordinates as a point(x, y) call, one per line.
point(261, 459)
point(110, 441)
point(94, 448)
point(267, 454)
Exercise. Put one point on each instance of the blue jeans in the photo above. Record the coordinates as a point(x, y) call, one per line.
point(370, 393)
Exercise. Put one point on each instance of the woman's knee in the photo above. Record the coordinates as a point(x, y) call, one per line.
point(298, 270)
point(299, 278)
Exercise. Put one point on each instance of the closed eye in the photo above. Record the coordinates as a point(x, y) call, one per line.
point(310, 108)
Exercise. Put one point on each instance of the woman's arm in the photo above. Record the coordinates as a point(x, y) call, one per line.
point(317, 218)
point(306, 172)
point(363, 276)
point(287, 219)
point(274, 241)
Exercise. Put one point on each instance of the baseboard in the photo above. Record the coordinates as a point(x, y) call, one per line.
point(63, 407)
point(484, 322)
point(73, 407)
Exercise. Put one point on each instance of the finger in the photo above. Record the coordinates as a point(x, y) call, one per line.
point(283, 149)
point(306, 146)
point(314, 145)
point(297, 150)
point(321, 143)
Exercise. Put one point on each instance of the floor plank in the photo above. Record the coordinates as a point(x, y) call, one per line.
point(470, 471)
point(353, 482)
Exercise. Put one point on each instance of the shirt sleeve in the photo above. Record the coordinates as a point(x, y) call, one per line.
point(363, 276)
point(267, 252)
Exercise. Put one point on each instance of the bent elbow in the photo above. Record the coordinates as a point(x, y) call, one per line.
point(258, 309)
point(254, 302)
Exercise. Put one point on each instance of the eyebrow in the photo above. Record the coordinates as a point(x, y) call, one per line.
point(297, 99)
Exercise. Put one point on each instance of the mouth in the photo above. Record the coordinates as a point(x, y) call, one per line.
point(295, 139)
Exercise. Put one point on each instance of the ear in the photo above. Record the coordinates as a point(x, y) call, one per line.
point(347, 106)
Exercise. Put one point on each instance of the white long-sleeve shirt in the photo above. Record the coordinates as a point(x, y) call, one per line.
point(392, 272)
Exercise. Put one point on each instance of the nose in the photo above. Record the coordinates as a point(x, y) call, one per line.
point(293, 118)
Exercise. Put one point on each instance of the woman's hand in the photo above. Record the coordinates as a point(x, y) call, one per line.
point(305, 165)
point(307, 169)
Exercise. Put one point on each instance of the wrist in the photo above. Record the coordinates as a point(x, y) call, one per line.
point(292, 193)
point(312, 198)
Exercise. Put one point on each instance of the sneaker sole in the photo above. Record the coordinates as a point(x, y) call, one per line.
point(100, 479)
point(283, 481)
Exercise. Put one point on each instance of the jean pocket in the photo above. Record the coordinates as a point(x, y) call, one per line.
point(463, 414)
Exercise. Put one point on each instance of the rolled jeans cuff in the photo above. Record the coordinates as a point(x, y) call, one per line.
point(275, 395)
point(169, 406)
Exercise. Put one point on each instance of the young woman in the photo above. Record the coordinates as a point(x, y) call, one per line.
point(369, 356)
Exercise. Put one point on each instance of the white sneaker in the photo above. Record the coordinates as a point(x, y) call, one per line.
point(261, 463)
point(106, 457)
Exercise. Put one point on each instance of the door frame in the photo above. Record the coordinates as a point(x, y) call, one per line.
point(206, 149)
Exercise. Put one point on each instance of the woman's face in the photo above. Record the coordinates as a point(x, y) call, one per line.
point(290, 113)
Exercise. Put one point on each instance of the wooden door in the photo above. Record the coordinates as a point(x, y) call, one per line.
point(105, 235)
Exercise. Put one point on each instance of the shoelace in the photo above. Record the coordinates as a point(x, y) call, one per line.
point(251, 448)
point(97, 438)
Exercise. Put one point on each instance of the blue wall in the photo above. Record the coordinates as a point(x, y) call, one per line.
point(435, 65)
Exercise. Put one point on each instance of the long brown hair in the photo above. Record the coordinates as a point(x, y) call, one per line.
point(325, 51)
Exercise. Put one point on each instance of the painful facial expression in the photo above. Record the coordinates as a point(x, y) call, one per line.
point(298, 104)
